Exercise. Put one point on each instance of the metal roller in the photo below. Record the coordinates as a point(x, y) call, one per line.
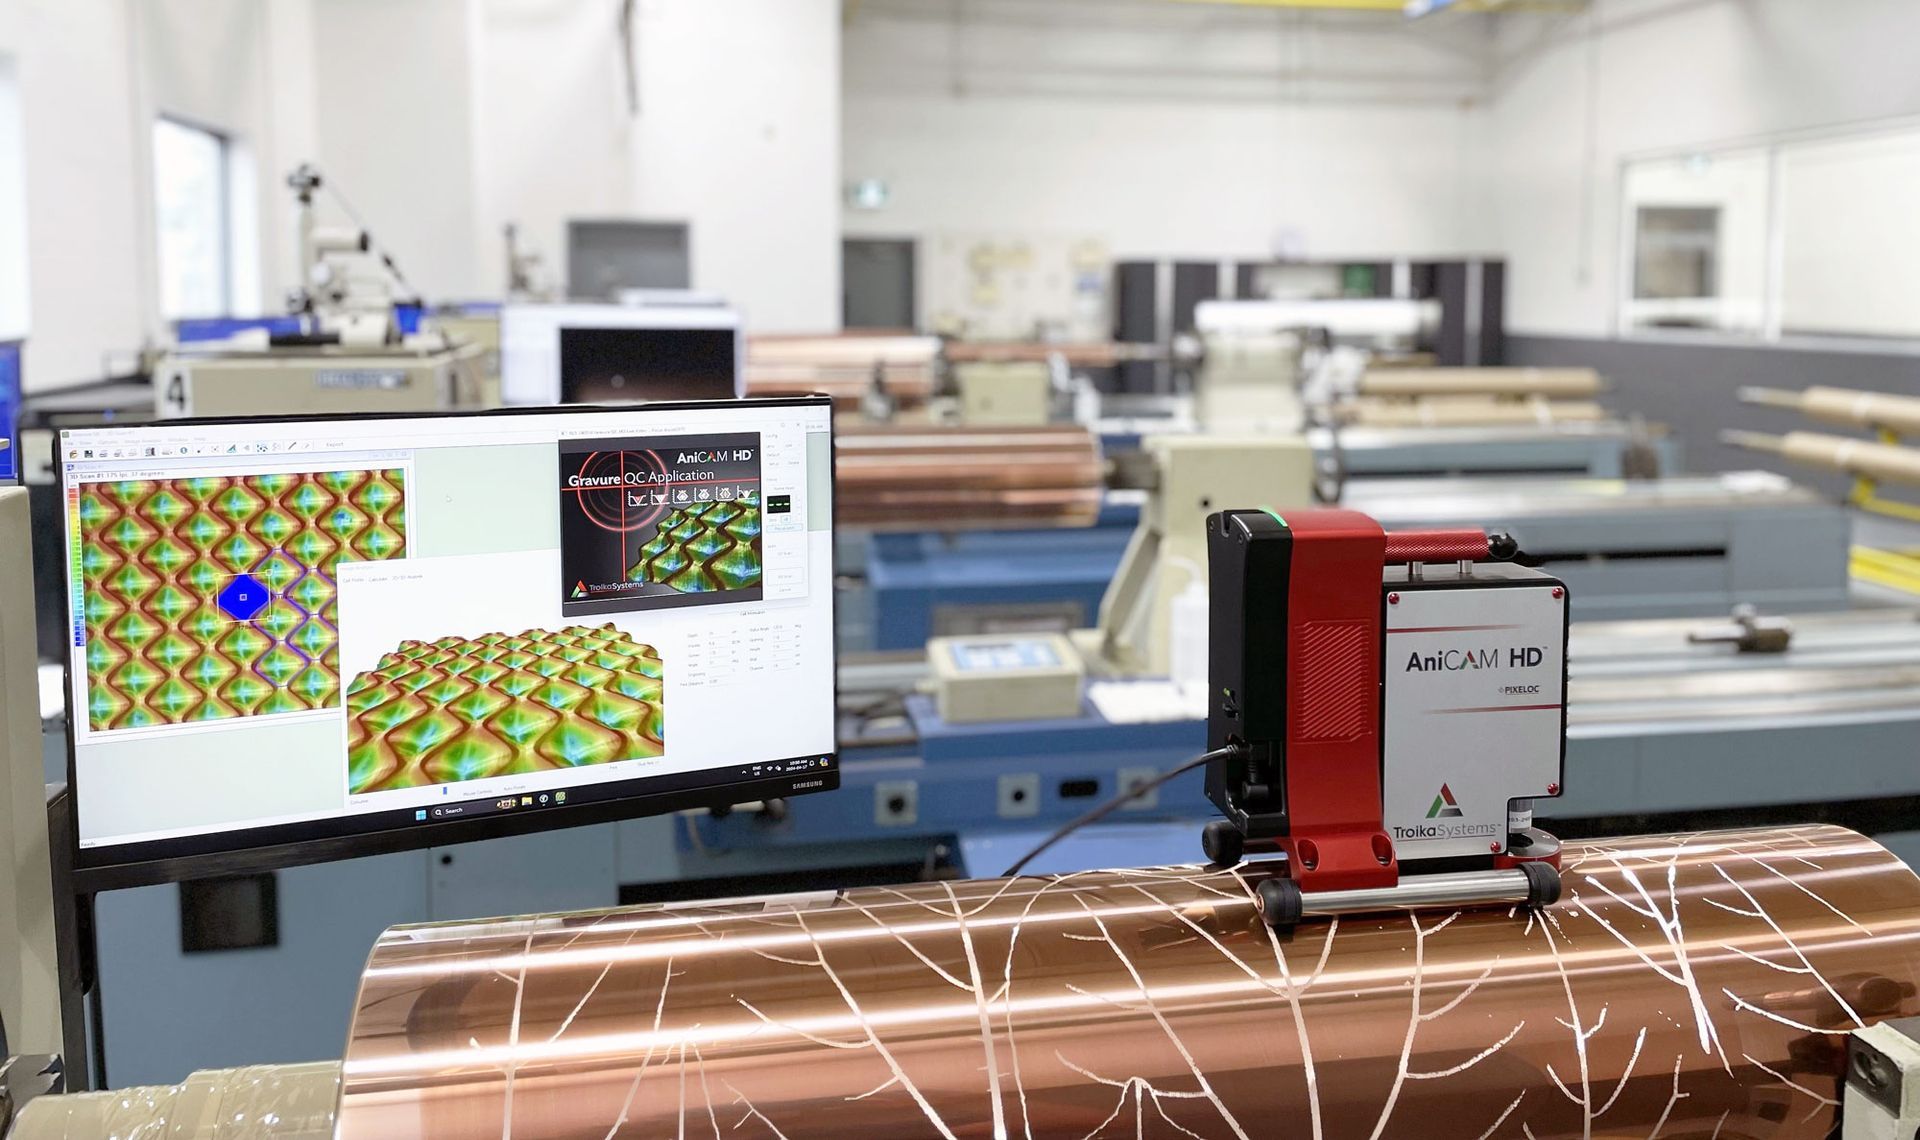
point(1553, 383)
point(1846, 407)
point(1685, 986)
point(843, 367)
point(1883, 461)
point(1091, 354)
point(932, 478)
point(1466, 411)
point(258, 1102)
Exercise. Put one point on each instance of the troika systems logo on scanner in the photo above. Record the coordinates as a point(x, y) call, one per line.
point(1444, 805)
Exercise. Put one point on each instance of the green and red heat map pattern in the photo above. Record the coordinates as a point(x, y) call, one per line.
point(501, 704)
point(704, 548)
point(210, 598)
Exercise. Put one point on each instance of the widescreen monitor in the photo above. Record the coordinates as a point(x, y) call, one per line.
point(299, 639)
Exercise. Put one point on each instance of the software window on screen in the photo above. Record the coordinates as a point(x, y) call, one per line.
point(431, 618)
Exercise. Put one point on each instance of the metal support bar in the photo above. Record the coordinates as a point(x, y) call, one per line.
point(1426, 892)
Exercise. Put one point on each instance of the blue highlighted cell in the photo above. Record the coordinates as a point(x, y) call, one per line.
point(243, 597)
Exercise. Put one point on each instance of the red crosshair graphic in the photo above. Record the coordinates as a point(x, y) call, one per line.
point(627, 505)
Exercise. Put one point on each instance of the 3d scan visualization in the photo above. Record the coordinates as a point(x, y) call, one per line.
point(208, 598)
point(713, 546)
point(460, 709)
point(656, 522)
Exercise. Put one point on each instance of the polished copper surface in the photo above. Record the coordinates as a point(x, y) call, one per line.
point(1687, 987)
point(937, 478)
point(843, 365)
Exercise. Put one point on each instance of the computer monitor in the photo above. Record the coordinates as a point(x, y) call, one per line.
point(300, 639)
point(656, 350)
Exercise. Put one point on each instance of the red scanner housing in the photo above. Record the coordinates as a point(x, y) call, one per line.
point(1332, 742)
point(1303, 725)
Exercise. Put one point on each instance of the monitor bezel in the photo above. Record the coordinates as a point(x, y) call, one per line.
point(270, 848)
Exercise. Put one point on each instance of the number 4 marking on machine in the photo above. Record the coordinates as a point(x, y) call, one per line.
point(177, 399)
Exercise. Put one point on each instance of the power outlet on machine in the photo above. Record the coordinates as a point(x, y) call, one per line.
point(1019, 796)
point(1133, 777)
point(896, 803)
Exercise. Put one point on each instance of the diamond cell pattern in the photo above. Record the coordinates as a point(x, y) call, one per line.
point(703, 548)
point(214, 597)
point(503, 704)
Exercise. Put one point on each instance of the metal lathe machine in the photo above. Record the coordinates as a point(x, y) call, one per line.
point(1384, 946)
point(1013, 528)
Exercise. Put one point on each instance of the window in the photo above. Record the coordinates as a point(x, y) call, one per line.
point(1812, 235)
point(1677, 253)
point(1697, 239)
point(190, 184)
point(1850, 238)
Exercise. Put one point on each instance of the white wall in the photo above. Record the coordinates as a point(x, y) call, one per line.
point(737, 133)
point(293, 111)
point(440, 121)
point(1168, 129)
point(396, 132)
point(15, 306)
point(445, 120)
point(1632, 76)
point(84, 226)
point(92, 75)
point(264, 112)
point(246, 69)
point(556, 141)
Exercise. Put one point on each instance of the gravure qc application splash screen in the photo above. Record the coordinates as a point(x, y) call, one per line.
point(356, 624)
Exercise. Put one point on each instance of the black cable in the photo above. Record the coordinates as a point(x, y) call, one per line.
point(1116, 802)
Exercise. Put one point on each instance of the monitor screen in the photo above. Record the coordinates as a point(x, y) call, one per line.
point(687, 347)
point(298, 639)
point(602, 365)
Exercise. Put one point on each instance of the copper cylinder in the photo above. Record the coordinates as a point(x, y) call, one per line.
point(936, 478)
point(1692, 986)
point(1558, 383)
point(842, 366)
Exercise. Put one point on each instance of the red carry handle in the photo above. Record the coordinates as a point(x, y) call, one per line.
point(1438, 546)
